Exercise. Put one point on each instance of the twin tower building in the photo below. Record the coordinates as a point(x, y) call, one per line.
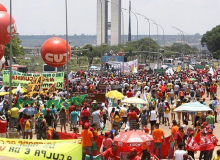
point(103, 26)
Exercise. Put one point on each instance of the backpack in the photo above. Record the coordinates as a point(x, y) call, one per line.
point(56, 135)
point(40, 125)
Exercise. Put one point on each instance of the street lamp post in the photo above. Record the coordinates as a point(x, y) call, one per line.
point(67, 43)
point(149, 31)
point(158, 61)
point(163, 36)
point(10, 55)
point(182, 34)
point(136, 19)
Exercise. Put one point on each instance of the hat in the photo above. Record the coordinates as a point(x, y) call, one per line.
point(48, 110)
point(107, 133)
point(86, 125)
point(94, 101)
point(209, 131)
point(191, 132)
point(207, 127)
point(203, 98)
point(41, 114)
point(63, 107)
point(3, 117)
point(133, 150)
point(178, 100)
point(204, 123)
point(146, 129)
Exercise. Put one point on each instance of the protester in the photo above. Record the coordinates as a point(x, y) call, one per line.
point(178, 154)
point(28, 127)
point(62, 116)
point(106, 142)
point(87, 139)
point(158, 134)
point(74, 116)
point(110, 153)
point(174, 131)
point(40, 127)
point(75, 133)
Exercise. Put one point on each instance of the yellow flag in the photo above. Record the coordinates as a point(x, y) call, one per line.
point(178, 69)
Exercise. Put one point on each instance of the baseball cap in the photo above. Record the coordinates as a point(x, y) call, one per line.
point(48, 110)
point(209, 131)
point(86, 125)
point(107, 133)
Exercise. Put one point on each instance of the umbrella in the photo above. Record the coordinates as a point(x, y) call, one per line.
point(191, 79)
point(114, 95)
point(134, 100)
point(30, 111)
point(192, 107)
point(133, 139)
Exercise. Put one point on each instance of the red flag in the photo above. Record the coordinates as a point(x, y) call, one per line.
point(191, 144)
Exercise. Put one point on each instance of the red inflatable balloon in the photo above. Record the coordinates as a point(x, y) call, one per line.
point(53, 52)
point(5, 27)
point(2, 8)
point(2, 50)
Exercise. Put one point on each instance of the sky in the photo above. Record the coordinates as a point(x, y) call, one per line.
point(47, 17)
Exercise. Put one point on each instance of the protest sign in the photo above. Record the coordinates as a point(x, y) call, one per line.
point(25, 78)
point(41, 149)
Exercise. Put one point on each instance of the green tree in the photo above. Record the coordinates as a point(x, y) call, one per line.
point(212, 40)
point(180, 48)
point(17, 49)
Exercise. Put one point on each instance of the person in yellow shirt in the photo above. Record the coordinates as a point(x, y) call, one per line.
point(117, 120)
point(14, 116)
point(218, 155)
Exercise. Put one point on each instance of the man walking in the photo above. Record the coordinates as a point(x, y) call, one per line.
point(158, 134)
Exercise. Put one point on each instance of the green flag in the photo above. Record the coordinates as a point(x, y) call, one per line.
point(78, 100)
point(50, 102)
point(20, 103)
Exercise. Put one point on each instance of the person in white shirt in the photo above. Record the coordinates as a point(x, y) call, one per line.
point(153, 118)
point(178, 154)
point(96, 117)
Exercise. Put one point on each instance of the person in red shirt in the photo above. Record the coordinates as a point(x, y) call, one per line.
point(133, 155)
point(179, 136)
point(159, 94)
point(75, 133)
point(91, 88)
point(206, 146)
point(3, 126)
point(85, 114)
point(111, 153)
point(22, 120)
point(132, 117)
point(163, 89)
point(129, 94)
point(214, 140)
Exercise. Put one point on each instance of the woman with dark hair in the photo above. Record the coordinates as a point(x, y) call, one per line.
point(106, 142)
point(166, 114)
point(117, 120)
point(112, 115)
point(144, 118)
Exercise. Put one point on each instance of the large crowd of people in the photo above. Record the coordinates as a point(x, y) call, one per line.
point(190, 132)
